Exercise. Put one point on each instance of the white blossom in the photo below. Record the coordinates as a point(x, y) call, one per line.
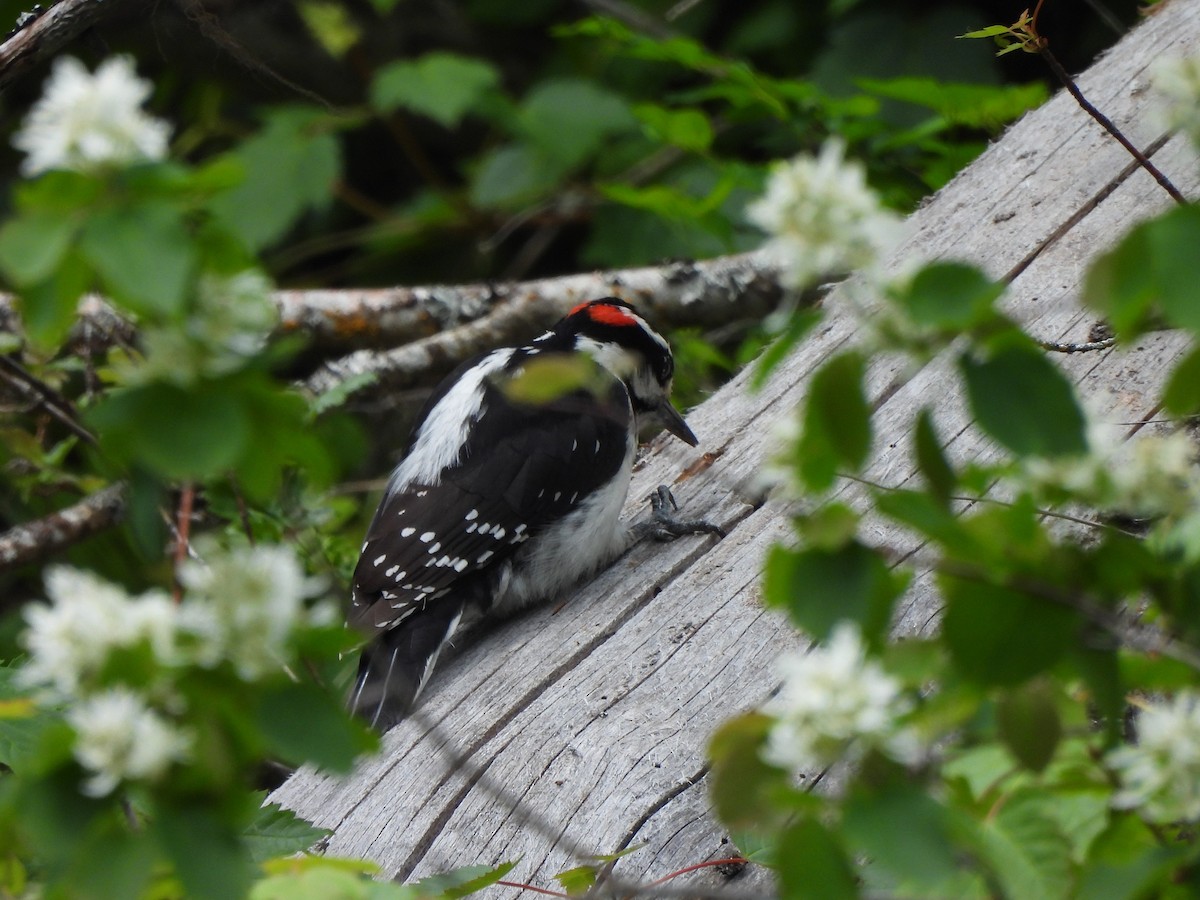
point(86, 121)
point(119, 738)
point(835, 703)
point(244, 605)
point(1149, 476)
point(70, 639)
point(822, 216)
point(229, 323)
point(1176, 84)
point(1160, 775)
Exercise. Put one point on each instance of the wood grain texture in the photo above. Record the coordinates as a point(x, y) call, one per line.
point(583, 727)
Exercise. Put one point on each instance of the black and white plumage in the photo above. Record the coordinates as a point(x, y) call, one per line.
point(511, 490)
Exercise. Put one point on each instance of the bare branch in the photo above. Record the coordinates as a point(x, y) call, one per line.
point(42, 395)
point(339, 321)
point(33, 541)
point(46, 34)
point(684, 293)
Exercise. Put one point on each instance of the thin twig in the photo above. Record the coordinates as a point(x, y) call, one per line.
point(1143, 638)
point(1106, 123)
point(1085, 347)
point(44, 396)
point(1049, 513)
point(183, 530)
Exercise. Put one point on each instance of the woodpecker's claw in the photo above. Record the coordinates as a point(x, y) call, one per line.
point(664, 526)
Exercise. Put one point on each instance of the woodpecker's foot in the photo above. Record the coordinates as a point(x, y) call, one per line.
point(663, 526)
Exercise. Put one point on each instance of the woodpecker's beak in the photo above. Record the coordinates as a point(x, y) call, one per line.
point(674, 423)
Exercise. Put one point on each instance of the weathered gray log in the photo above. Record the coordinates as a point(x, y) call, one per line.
point(582, 728)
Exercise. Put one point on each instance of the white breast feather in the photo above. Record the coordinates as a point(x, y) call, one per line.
point(573, 548)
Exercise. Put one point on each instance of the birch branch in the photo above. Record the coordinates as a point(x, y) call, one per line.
point(48, 32)
point(684, 293)
point(33, 541)
point(341, 321)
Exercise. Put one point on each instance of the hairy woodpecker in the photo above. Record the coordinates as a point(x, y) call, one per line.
point(511, 490)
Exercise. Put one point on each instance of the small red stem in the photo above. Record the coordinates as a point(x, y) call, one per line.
point(530, 887)
point(183, 529)
point(732, 861)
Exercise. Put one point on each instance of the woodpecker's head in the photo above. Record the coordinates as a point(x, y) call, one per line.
point(612, 333)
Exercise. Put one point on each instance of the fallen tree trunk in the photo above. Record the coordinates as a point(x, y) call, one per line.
point(582, 729)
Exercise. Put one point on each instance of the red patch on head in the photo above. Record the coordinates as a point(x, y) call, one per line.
point(604, 314)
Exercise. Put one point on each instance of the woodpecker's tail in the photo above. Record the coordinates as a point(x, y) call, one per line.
point(394, 667)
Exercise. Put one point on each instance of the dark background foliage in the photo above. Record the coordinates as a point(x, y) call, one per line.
point(403, 209)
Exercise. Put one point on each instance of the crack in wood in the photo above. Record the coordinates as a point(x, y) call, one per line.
point(1084, 210)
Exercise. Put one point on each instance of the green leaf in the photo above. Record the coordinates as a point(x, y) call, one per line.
point(569, 119)
point(337, 395)
point(578, 880)
point(1000, 636)
point(112, 862)
point(949, 295)
point(33, 244)
point(48, 308)
point(205, 850)
point(1082, 815)
point(511, 175)
point(688, 129)
point(143, 254)
point(303, 723)
point(276, 831)
point(331, 24)
point(1028, 723)
point(980, 768)
point(799, 324)
point(443, 86)
point(1148, 271)
point(971, 105)
point(1025, 850)
point(1101, 674)
point(837, 421)
point(545, 380)
point(1181, 396)
point(813, 865)
point(820, 588)
point(290, 166)
point(462, 882)
point(920, 511)
point(179, 433)
point(931, 461)
point(1024, 401)
point(902, 829)
point(1128, 861)
point(742, 784)
point(989, 31)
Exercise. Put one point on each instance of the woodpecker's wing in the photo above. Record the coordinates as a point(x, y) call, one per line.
point(524, 465)
point(433, 551)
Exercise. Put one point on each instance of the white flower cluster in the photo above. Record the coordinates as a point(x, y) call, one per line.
point(836, 703)
point(1160, 775)
point(71, 640)
point(230, 322)
point(1151, 476)
point(241, 608)
point(85, 121)
point(1177, 86)
point(823, 218)
point(120, 738)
